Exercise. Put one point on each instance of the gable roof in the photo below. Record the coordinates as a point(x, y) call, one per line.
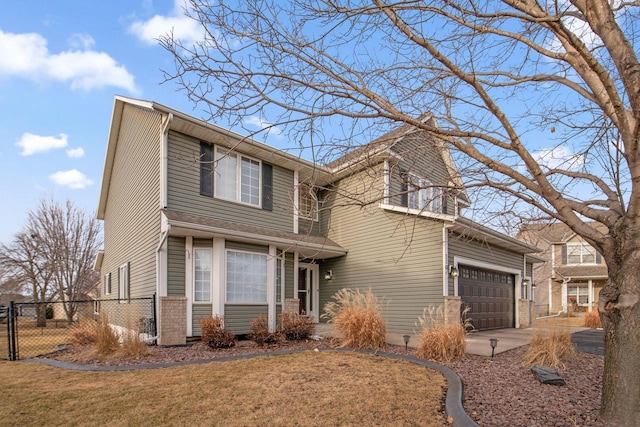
point(382, 147)
point(554, 232)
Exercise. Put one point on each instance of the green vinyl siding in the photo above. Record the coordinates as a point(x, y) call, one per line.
point(288, 275)
point(184, 190)
point(200, 311)
point(203, 243)
point(398, 257)
point(484, 252)
point(238, 317)
point(175, 266)
point(246, 247)
point(132, 215)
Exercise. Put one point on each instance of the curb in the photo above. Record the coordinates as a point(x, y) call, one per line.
point(453, 400)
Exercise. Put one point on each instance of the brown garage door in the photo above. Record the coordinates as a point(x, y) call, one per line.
point(489, 295)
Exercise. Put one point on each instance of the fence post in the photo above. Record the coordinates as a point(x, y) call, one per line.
point(155, 320)
point(11, 326)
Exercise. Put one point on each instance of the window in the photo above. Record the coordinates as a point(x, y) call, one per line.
point(123, 281)
point(279, 279)
point(579, 253)
point(246, 277)
point(578, 295)
point(307, 203)
point(237, 177)
point(202, 275)
point(107, 284)
point(422, 195)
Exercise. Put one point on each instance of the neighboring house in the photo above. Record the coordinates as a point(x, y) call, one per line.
point(573, 272)
point(216, 223)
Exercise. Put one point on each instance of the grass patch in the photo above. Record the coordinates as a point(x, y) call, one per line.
point(358, 318)
point(310, 388)
point(548, 347)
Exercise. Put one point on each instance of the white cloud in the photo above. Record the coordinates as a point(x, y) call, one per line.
point(184, 28)
point(27, 55)
point(32, 144)
point(73, 179)
point(258, 122)
point(75, 153)
point(559, 158)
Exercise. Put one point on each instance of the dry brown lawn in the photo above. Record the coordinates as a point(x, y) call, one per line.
point(310, 388)
point(575, 320)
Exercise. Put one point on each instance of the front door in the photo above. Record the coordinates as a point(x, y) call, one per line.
point(308, 293)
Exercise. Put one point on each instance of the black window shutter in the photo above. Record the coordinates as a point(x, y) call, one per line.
point(564, 254)
point(267, 186)
point(206, 169)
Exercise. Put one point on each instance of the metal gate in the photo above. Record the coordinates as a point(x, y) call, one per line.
point(37, 328)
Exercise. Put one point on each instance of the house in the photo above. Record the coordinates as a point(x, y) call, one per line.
point(213, 222)
point(573, 272)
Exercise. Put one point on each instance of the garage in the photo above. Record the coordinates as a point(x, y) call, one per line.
point(489, 295)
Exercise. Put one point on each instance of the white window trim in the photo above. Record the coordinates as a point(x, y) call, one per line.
point(226, 284)
point(193, 296)
point(107, 284)
point(424, 184)
point(124, 283)
point(582, 247)
point(315, 217)
point(239, 157)
point(282, 260)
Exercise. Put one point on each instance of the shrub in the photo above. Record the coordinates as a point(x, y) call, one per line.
point(437, 340)
point(214, 333)
point(107, 340)
point(49, 312)
point(592, 319)
point(295, 326)
point(132, 344)
point(357, 316)
point(549, 348)
point(84, 333)
point(260, 332)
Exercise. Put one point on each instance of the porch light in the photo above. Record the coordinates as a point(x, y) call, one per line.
point(453, 271)
point(328, 275)
point(494, 343)
point(525, 282)
point(406, 341)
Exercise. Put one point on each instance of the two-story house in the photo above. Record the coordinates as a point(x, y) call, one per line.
point(573, 272)
point(213, 222)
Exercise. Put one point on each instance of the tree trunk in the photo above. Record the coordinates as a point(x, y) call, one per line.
point(620, 312)
point(41, 315)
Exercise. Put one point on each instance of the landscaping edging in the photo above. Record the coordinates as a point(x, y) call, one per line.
point(453, 399)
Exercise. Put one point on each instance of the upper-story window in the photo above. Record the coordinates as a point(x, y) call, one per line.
point(307, 202)
point(237, 177)
point(422, 195)
point(228, 175)
point(580, 253)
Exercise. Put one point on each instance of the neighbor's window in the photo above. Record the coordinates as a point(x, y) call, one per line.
point(202, 275)
point(307, 202)
point(246, 277)
point(578, 295)
point(237, 177)
point(107, 284)
point(580, 253)
point(123, 281)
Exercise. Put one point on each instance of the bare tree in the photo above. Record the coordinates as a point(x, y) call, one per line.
point(539, 100)
point(27, 266)
point(56, 251)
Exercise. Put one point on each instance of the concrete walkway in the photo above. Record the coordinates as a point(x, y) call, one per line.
point(477, 341)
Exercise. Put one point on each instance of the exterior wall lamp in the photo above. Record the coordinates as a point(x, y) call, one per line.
point(525, 282)
point(453, 271)
point(328, 275)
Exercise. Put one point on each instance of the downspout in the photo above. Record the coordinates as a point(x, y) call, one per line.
point(160, 275)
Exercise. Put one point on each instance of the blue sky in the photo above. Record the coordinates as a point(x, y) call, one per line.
point(61, 64)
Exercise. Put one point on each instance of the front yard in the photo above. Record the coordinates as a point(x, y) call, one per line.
point(309, 388)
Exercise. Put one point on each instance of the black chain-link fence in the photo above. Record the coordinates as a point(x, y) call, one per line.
point(32, 329)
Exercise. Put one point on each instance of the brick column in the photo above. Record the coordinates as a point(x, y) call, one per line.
point(172, 322)
point(452, 307)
